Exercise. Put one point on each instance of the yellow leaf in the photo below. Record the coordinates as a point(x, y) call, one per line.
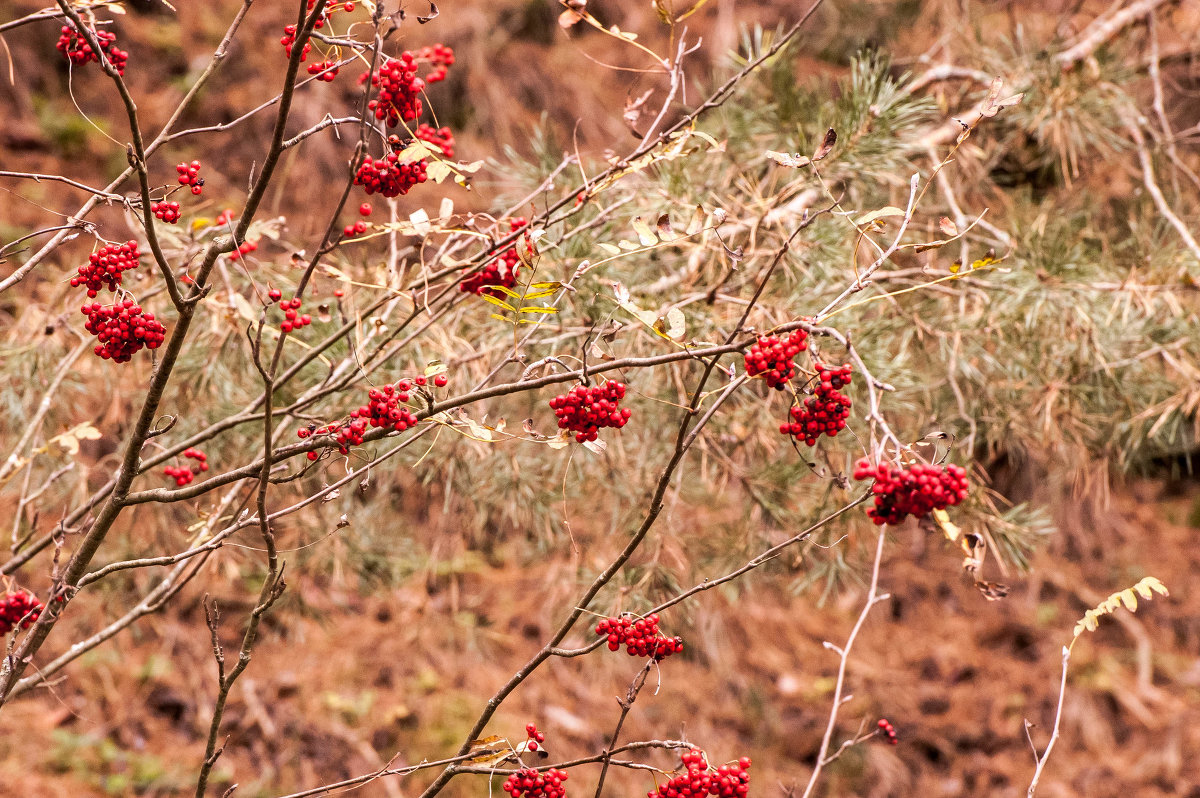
point(70, 439)
point(420, 222)
point(437, 171)
point(645, 234)
point(244, 309)
point(498, 302)
point(951, 531)
point(1147, 587)
point(882, 213)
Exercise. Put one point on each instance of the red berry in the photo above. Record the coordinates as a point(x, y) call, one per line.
point(105, 265)
point(826, 411)
point(500, 272)
point(19, 609)
point(122, 329)
point(914, 490)
point(585, 410)
point(75, 48)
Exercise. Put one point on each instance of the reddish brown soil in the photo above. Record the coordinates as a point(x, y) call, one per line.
point(402, 673)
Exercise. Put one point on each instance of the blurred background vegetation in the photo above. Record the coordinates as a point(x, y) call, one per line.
point(1063, 372)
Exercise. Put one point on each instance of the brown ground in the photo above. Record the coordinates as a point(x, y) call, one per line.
point(343, 682)
point(353, 680)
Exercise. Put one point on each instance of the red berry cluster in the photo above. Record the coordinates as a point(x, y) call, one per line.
point(166, 211)
point(382, 409)
point(825, 412)
point(356, 229)
point(440, 137)
point(184, 474)
point(122, 328)
point(585, 410)
point(399, 90)
point(14, 607)
point(189, 175)
point(292, 320)
point(501, 271)
point(243, 249)
point(75, 48)
point(535, 737)
point(914, 490)
point(105, 265)
point(772, 356)
point(886, 728)
point(389, 176)
point(324, 70)
point(640, 637)
point(289, 39)
point(224, 218)
point(530, 783)
point(729, 781)
point(440, 57)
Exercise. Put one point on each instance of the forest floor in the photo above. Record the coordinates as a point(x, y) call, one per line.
point(958, 675)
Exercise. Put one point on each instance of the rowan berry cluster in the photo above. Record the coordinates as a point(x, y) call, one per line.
point(535, 737)
point(885, 727)
point(122, 329)
point(502, 271)
point(640, 637)
point(324, 70)
point(189, 175)
point(530, 783)
point(243, 249)
point(383, 409)
point(585, 410)
point(356, 229)
point(914, 490)
point(288, 40)
point(166, 211)
point(440, 57)
point(14, 607)
point(772, 356)
point(440, 137)
point(389, 176)
point(292, 318)
point(73, 45)
point(826, 411)
point(729, 781)
point(104, 267)
point(184, 474)
point(399, 90)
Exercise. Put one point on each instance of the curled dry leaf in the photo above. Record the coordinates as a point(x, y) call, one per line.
point(993, 103)
point(793, 161)
point(432, 15)
point(633, 111)
point(826, 145)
